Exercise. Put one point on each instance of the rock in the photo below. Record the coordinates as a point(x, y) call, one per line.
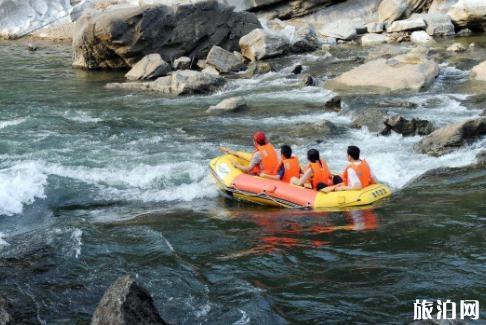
point(334, 104)
point(405, 127)
point(375, 27)
point(210, 70)
point(287, 9)
point(223, 60)
point(182, 63)
point(373, 39)
point(297, 69)
point(309, 80)
point(263, 67)
point(412, 23)
point(421, 37)
point(399, 37)
point(391, 10)
point(304, 40)
point(481, 158)
point(464, 32)
point(201, 64)
point(372, 118)
point(125, 303)
point(468, 13)
point(239, 56)
point(32, 47)
point(397, 103)
point(120, 38)
point(438, 24)
point(343, 30)
point(150, 67)
point(441, 6)
point(5, 315)
point(386, 51)
point(260, 44)
point(411, 71)
point(452, 137)
point(478, 72)
point(232, 104)
point(181, 82)
point(457, 47)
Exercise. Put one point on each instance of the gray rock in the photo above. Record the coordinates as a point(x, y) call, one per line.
point(260, 44)
point(305, 40)
point(405, 127)
point(210, 70)
point(126, 303)
point(468, 13)
point(342, 30)
point(119, 38)
point(182, 63)
point(297, 69)
point(373, 39)
point(182, 82)
point(421, 37)
point(438, 24)
point(410, 24)
point(232, 104)
point(223, 60)
point(372, 118)
point(452, 137)
point(149, 67)
point(457, 47)
point(375, 27)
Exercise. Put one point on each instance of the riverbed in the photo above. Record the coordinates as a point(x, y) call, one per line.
point(97, 183)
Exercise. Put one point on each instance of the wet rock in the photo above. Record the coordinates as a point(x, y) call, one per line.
point(255, 68)
point(405, 127)
point(410, 24)
point(468, 13)
point(438, 24)
point(304, 40)
point(223, 61)
point(182, 63)
point(373, 39)
point(260, 44)
point(342, 30)
point(5, 314)
point(375, 27)
point(464, 32)
point(411, 71)
point(119, 38)
point(125, 303)
point(397, 103)
point(421, 37)
point(263, 67)
point(149, 67)
point(297, 69)
point(391, 10)
point(309, 80)
point(334, 104)
point(201, 64)
point(372, 118)
point(210, 70)
point(481, 158)
point(182, 82)
point(232, 104)
point(478, 72)
point(457, 47)
point(452, 137)
point(32, 47)
point(289, 9)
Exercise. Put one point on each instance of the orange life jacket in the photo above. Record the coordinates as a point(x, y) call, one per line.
point(269, 159)
point(363, 172)
point(320, 174)
point(292, 168)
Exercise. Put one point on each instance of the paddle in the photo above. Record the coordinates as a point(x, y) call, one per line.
point(233, 153)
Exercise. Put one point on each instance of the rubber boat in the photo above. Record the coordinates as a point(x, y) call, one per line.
point(233, 182)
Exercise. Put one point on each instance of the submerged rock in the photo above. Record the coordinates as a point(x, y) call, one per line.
point(5, 315)
point(182, 63)
point(411, 71)
point(150, 67)
point(452, 137)
point(260, 44)
point(297, 69)
point(371, 118)
point(182, 82)
point(126, 303)
point(232, 104)
point(223, 61)
point(405, 127)
point(119, 38)
point(478, 72)
point(457, 47)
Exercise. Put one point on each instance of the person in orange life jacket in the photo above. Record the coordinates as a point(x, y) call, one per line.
point(288, 168)
point(317, 173)
point(264, 159)
point(356, 175)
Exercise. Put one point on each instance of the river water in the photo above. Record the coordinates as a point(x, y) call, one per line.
point(96, 183)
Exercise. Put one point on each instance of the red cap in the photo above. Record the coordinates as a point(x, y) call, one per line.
point(259, 137)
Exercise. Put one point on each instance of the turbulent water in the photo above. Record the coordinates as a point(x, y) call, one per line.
point(97, 183)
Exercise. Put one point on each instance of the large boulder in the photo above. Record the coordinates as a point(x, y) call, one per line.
point(411, 71)
point(478, 72)
point(224, 61)
point(391, 10)
point(438, 24)
point(452, 136)
point(468, 13)
point(412, 23)
point(150, 67)
point(182, 82)
point(406, 127)
point(441, 6)
point(260, 44)
point(119, 38)
point(126, 303)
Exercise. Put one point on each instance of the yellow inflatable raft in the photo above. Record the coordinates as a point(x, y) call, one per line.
point(239, 185)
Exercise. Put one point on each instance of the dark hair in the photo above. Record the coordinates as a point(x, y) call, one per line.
point(313, 155)
point(353, 151)
point(286, 151)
